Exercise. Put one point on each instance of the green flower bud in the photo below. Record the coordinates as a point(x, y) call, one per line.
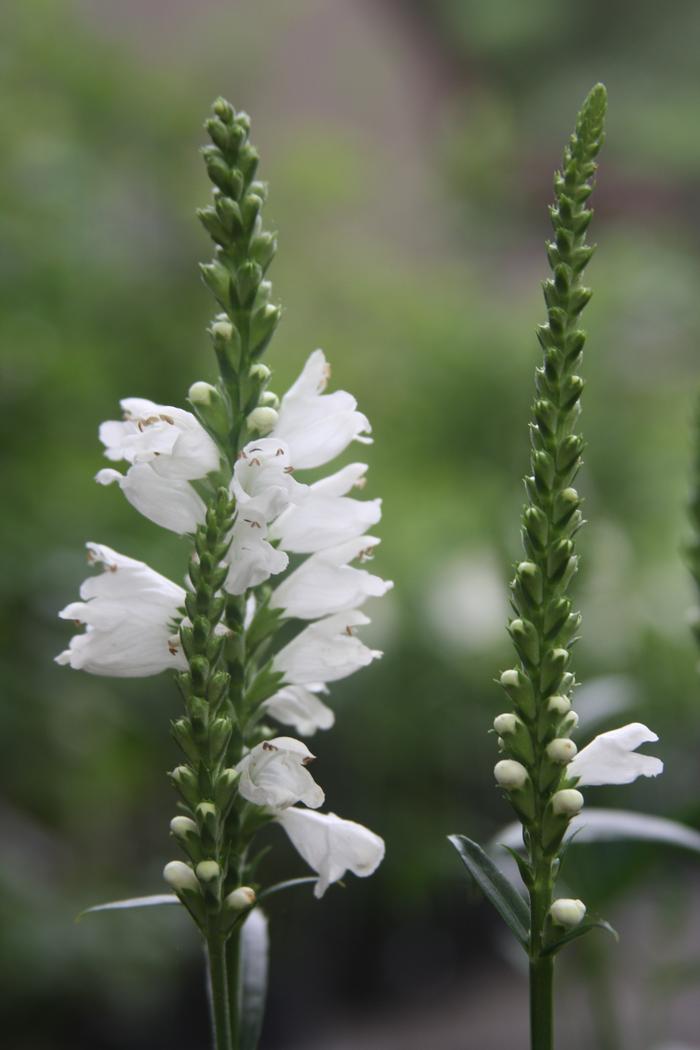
point(520, 691)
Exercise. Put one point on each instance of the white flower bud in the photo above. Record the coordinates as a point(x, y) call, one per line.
point(570, 722)
point(567, 912)
point(510, 679)
point(222, 329)
point(183, 826)
point(180, 876)
point(200, 393)
point(207, 870)
point(506, 723)
point(262, 419)
point(510, 775)
point(260, 372)
point(206, 809)
point(567, 803)
point(269, 400)
point(559, 705)
point(561, 750)
point(240, 899)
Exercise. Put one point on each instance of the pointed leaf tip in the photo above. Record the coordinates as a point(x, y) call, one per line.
point(495, 886)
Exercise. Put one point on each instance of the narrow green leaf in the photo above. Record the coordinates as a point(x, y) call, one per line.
point(255, 948)
point(132, 902)
point(501, 893)
point(287, 885)
point(609, 825)
point(588, 924)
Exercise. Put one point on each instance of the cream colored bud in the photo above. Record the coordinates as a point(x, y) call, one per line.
point(567, 803)
point(561, 750)
point(262, 419)
point(200, 393)
point(570, 495)
point(510, 774)
point(260, 372)
point(222, 329)
point(570, 722)
point(240, 899)
point(506, 723)
point(510, 679)
point(269, 400)
point(183, 826)
point(180, 876)
point(559, 705)
point(208, 870)
point(568, 912)
point(206, 809)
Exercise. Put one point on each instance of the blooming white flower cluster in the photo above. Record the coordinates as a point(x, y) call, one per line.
point(133, 613)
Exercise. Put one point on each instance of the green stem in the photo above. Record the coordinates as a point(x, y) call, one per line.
point(233, 978)
point(218, 993)
point(541, 1003)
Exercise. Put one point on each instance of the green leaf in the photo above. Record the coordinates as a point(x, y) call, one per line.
point(132, 902)
point(588, 924)
point(502, 894)
point(255, 947)
point(609, 825)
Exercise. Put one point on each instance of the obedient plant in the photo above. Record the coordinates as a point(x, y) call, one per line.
point(224, 475)
point(541, 769)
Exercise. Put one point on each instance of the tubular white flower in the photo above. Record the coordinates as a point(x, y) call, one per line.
point(262, 478)
point(568, 912)
point(299, 706)
point(129, 610)
point(325, 516)
point(251, 558)
point(274, 774)
point(325, 583)
point(318, 427)
point(611, 757)
point(332, 846)
point(325, 651)
point(173, 505)
point(172, 440)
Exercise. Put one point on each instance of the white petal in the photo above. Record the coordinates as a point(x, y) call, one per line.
point(262, 478)
point(174, 505)
point(299, 706)
point(251, 558)
point(325, 584)
point(170, 439)
point(343, 481)
point(274, 775)
point(325, 651)
point(611, 757)
point(332, 846)
point(320, 521)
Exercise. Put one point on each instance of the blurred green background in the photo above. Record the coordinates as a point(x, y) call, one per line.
point(409, 147)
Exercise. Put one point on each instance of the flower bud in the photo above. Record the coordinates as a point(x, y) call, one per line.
point(181, 827)
point(269, 400)
point(260, 372)
point(241, 899)
point(200, 393)
point(553, 666)
point(208, 870)
point(186, 781)
point(567, 802)
point(525, 639)
point(520, 691)
point(567, 912)
point(222, 329)
point(262, 419)
point(510, 775)
point(561, 750)
point(570, 722)
point(180, 876)
point(506, 723)
point(531, 579)
point(559, 705)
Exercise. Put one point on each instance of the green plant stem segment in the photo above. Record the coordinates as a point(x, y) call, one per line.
point(545, 625)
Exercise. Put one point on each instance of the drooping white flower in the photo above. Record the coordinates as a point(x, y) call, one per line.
point(326, 583)
point(325, 651)
point(325, 516)
point(331, 845)
point(318, 426)
point(262, 478)
point(611, 757)
point(170, 439)
point(299, 706)
point(172, 504)
point(129, 611)
point(274, 774)
point(251, 558)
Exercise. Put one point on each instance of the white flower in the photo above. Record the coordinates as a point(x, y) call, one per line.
point(170, 439)
point(610, 758)
point(318, 427)
point(262, 478)
point(325, 651)
point(171, 504)
point(251, 558)
point(325, 516)
point(325, 583)
point(332, 846)
point(129, 611)
point(274, 774)
point(299, 706)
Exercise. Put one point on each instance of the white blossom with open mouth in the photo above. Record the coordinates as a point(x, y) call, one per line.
point(250, 557)
point(129, 611)
point(318, 426)
point(331, 845)
point(611, 758)
point(325, 651)
point(274, 775)
point(325, 583)
point(172, 440)
point(325, 515)
point(170, 503)
point(262, 478)
point(300, 706)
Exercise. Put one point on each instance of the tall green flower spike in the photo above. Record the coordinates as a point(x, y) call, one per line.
point(534, 738)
